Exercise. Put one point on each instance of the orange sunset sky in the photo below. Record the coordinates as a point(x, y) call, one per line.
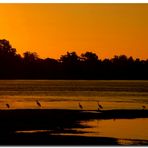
point(53, 29)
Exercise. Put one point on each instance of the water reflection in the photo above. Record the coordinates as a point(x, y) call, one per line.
point(46, 104)
point(118, 128)
point(127, 131)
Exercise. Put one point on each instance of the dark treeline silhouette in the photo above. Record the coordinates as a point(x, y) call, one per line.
point(69, 66)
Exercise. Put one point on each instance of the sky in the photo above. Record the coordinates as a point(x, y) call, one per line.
point(53, 29)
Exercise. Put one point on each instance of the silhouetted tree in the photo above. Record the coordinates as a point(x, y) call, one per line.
point(89, 57)
point(30, 56)
point(69, 58)
point(50, 68)
point(6, 49)
point(9, 61)
point(91, 65)
point(69, 66)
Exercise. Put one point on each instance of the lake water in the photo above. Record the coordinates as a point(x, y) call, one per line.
point(61, 94)
point(128, 131)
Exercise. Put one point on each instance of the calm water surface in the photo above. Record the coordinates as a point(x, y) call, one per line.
point(66, 94)
point(61, 94)
point(125, 130)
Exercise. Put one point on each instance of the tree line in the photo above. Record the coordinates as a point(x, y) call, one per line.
point(68, 66)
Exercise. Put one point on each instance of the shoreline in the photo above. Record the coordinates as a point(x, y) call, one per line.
point(85, 114)
point(57, 121)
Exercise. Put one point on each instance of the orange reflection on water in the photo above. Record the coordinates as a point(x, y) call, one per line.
point(118, 128)
point(47, 103)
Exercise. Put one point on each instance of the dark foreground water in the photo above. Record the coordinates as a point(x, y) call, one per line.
point(61, 94)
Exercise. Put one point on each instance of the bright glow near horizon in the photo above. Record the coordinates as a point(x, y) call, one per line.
point(53, 29)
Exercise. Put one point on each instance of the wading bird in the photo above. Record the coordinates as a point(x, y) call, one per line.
point(81, 107)
point(100, 106)
point(8, 106)
point(38, 103)
point(144, 107)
